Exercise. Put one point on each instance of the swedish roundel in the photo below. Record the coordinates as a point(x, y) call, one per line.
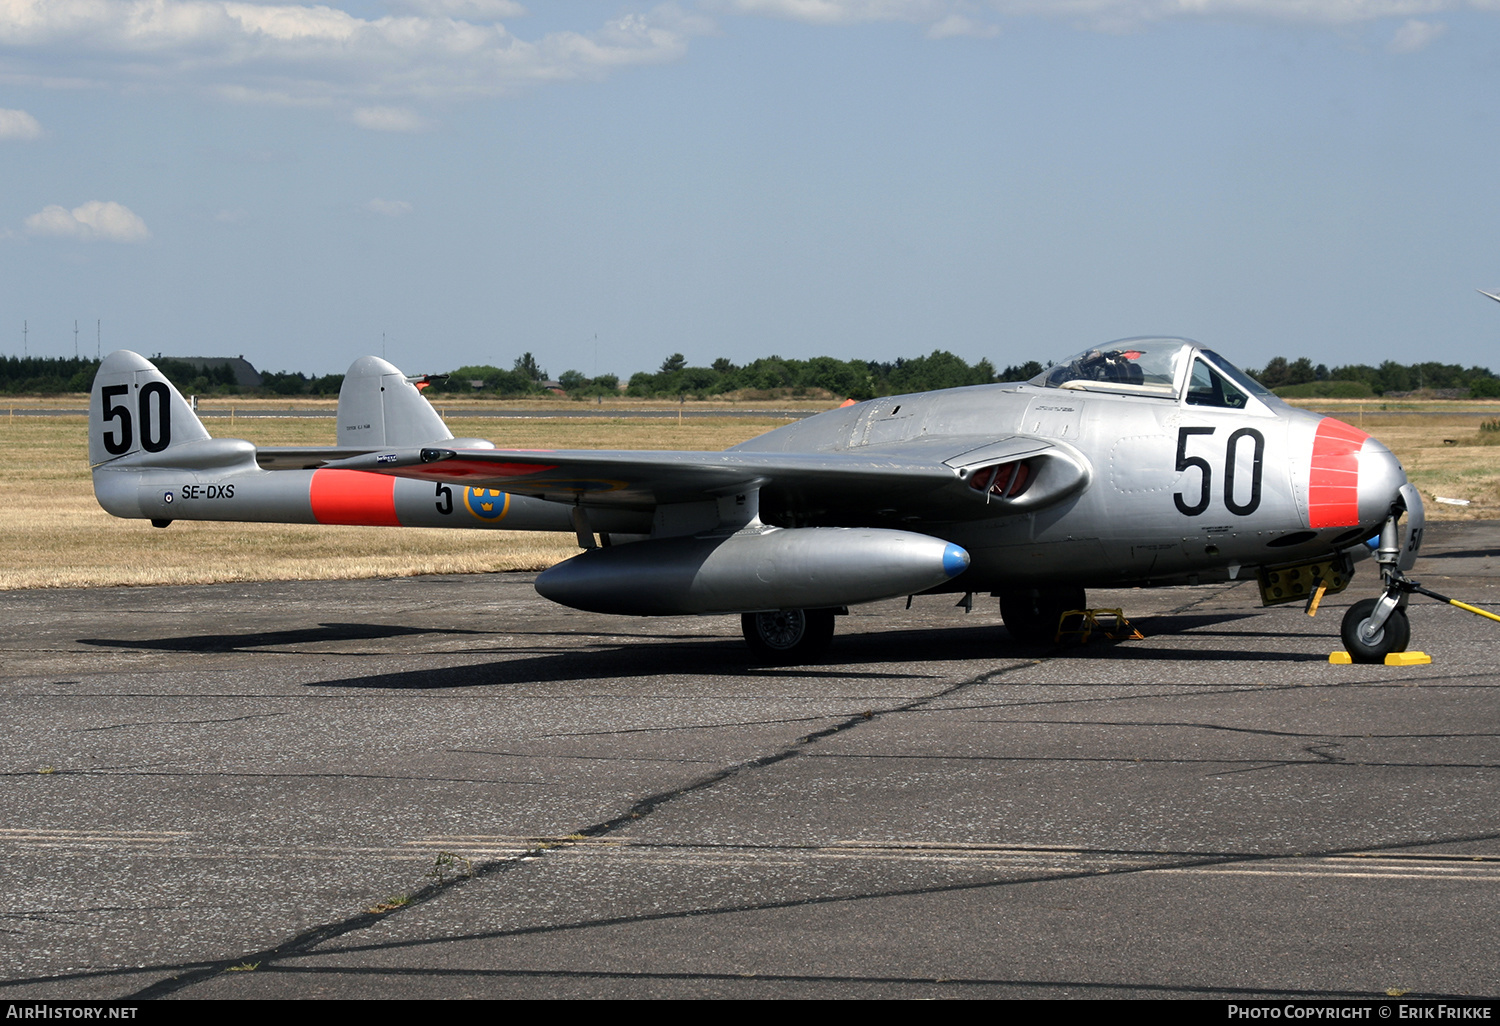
point(487, 503)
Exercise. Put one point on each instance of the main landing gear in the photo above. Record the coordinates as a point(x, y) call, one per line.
point(1032, 614)
point(788, 635)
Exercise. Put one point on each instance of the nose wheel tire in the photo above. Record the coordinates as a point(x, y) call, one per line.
point(788, 635)
point(1394, 635)
point(1031, 614)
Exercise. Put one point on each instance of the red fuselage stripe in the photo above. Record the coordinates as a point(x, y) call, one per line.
point(1333, 485)
point(353, 497)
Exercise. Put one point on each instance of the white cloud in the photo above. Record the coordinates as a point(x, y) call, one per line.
point(17, 124)
point(960, 25)
point(1415, 35)
point(843, 12)
point(383, 71)
point(1126, 13)
point(388, 208)
point(318, 54)
point(945, 18)
point(112, 222)
point(490, 9)
point(232, 216)
point(389, 119)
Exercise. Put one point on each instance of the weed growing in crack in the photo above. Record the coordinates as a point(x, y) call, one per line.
point(447, 863)
point(389, 903)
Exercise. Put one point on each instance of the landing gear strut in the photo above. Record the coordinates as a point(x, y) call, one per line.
point(1374, 628)
point(788, 635)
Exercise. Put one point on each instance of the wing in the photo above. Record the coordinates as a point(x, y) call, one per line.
point(933, 480)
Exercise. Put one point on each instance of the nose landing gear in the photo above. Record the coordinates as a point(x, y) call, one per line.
point(1374, 628)
point(1369, 640)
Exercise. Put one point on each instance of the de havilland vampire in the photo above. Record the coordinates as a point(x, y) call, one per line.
point(1147, 461)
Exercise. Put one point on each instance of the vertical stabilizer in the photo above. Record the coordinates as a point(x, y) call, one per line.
point(133, 408)
point(379, 407)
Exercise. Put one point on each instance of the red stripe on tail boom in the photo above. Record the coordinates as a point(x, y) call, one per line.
point(353, 497)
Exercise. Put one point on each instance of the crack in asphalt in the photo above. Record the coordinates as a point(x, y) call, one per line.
point(1108, 989)
point(306, 941)
point(1130, 760)
point(309, 940)
point(581, 758)
point(1176, 862)
point(183, 723)
point(1266, 731)
point(688, 726)
point(1202, 691)
point(234, 774)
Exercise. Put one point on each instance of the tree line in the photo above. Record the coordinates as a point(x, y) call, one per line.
point(852, 379)
point(771, 375)
point(1301, 379)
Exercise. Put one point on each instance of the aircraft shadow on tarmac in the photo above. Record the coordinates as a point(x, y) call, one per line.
point(324, 632)
point(984, 635)
point(1462, 554)
point(853, 656)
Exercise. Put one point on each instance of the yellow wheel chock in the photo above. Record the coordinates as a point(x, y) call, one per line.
point(1088, 623)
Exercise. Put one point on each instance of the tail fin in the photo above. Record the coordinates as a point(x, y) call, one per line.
point(379, 407)
point(133, 408)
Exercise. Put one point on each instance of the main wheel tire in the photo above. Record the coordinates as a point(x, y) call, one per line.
point(1031, 614)
point(788, 635)
point(1394, 636)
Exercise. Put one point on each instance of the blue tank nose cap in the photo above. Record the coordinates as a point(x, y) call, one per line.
point(955, 560)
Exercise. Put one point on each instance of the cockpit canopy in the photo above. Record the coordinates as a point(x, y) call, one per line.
point(1168, 368)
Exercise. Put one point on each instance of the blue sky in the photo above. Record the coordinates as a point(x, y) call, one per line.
point(603, 184)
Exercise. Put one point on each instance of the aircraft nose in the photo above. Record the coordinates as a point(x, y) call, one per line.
point(1380, 479)
point(1354, 479)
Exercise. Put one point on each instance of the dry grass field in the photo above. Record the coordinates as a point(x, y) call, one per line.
point(1444, 451)
point(55, 535)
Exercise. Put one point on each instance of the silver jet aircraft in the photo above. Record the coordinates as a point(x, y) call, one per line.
point(1148, 461)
